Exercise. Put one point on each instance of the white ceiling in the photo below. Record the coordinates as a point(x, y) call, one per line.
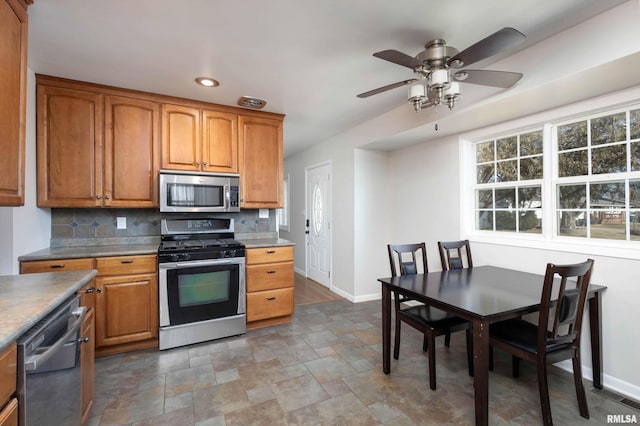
point(308, 58)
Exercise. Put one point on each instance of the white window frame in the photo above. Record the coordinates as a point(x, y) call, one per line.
point(284, 213)
point(547, 120)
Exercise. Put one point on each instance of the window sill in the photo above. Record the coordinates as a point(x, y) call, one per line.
point(626, 250)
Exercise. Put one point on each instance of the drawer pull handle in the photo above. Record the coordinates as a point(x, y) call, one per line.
point(271, 251)
point(58, 266)
point(271, 271)
point(127, 261)
point(271, 298)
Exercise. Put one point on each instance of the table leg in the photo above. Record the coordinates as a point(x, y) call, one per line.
point(595, 325)
point(481, 371)
point(386, 329)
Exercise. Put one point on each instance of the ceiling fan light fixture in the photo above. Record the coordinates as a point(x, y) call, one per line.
point(417, 95)
point(452, 94)
point(207, 82)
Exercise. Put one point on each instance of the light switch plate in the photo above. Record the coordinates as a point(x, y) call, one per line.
point(263, 214)
point(121, 223)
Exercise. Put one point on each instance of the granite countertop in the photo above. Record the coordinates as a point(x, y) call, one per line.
point(53, 253)
point(26, 299)
point(266, 242)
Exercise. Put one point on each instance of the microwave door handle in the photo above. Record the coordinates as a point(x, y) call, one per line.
point(33, 362)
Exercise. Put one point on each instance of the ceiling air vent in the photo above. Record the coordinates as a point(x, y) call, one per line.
point(251, 102)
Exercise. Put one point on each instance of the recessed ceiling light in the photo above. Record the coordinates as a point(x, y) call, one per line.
point(206, 81)
point(251, 102)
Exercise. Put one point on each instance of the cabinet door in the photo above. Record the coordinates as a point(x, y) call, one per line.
point(261, 162)
point(126, 309)
point(13, 80)
point(181, 142)
point(69, 147)
point(219, 142)
point(87, 363)
point(131, 152)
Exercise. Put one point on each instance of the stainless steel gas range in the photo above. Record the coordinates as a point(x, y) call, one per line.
point(202, 281)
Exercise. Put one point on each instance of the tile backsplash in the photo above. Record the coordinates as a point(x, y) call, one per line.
point(99, 226)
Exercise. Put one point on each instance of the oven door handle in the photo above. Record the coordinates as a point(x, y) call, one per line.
point(196, 263)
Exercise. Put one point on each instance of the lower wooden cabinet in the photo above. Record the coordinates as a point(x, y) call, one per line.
point(9, 414)
point(8, 375)
point(87, 363)
point(269, 274)
point(125, 293)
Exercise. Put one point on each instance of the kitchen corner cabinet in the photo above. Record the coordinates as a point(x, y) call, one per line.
point(13, 90)
point(195, 139)
point(95, 148)
point(126, 298)
point(261, 162)
point(269, 276)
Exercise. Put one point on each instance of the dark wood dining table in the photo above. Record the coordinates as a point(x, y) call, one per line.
point(483, 295)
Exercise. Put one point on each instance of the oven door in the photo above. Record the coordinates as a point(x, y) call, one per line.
point(197, 291)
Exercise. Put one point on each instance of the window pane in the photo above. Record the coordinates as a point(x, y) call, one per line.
point(610, 194)
point(634, 193)
point(572, 135)
point(507, 148)
point(505, 198)
point(634, 225)
point(317, 209)
point(573, 163)
point(484, 152)
point(572, 224)
point(610, 159)
point(610, 224)
point(634, 122)
point(484, 220)
point(530, 197)
point(635, 156)
point(531, 143)
point(572, 196)
point(612, 128)
point(505, 221)
point(507, 171)
point(484, 198)
point(485, 173)
point(531, 168)
point(531, 222)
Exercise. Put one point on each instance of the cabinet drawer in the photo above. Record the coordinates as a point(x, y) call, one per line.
point(8, 373)
point(126, 265)
point(56, 265)
point(269, 254)
point(9, 414)
point(269, 304)
point(269, 276)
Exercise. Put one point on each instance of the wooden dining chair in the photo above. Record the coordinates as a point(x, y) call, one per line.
point(556, 337)
point(451, 254)
point(410, 259)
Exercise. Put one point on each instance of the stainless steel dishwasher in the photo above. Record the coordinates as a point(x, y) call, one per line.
point(49, 368)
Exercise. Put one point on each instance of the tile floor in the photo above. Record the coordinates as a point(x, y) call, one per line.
point(325, 368)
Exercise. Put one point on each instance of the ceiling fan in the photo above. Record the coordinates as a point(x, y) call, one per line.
point(439, 68)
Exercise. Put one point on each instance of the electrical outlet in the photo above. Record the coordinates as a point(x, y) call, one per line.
point(121, 223)
point(263, 214)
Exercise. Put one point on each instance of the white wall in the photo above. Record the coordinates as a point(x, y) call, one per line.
point(27, 228)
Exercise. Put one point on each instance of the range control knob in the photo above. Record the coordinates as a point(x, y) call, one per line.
point(186, 256)
point(175, 257)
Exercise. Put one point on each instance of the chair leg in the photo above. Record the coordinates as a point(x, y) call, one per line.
point(396, 344)
point(515, 366)
point(490, 358)
point(432, 362)
point(447, 339)
point(469, 351)
point(577, 378)
point(425, 343)
point(543, 387)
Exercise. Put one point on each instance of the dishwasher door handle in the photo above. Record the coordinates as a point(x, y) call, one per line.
point(33, 362)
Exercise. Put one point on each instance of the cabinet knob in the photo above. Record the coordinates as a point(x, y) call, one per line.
point(205, 164)
point(98, 197)
point(197, 164)
point(107, 197)
point(90, 290)
point(85, 340)
point(99, 290)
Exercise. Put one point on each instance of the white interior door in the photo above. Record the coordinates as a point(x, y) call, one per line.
point(318, 224)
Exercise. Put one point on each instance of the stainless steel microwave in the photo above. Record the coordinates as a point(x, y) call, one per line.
point(186, 192)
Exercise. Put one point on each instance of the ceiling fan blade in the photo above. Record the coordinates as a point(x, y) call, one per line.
point(489, 46)
point(385, 88)
point(399, 58)
point(503, 79)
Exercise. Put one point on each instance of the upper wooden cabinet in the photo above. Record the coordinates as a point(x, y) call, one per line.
point(195, 139)
point(13, 90)
point(95, 149)
point(261, 162)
